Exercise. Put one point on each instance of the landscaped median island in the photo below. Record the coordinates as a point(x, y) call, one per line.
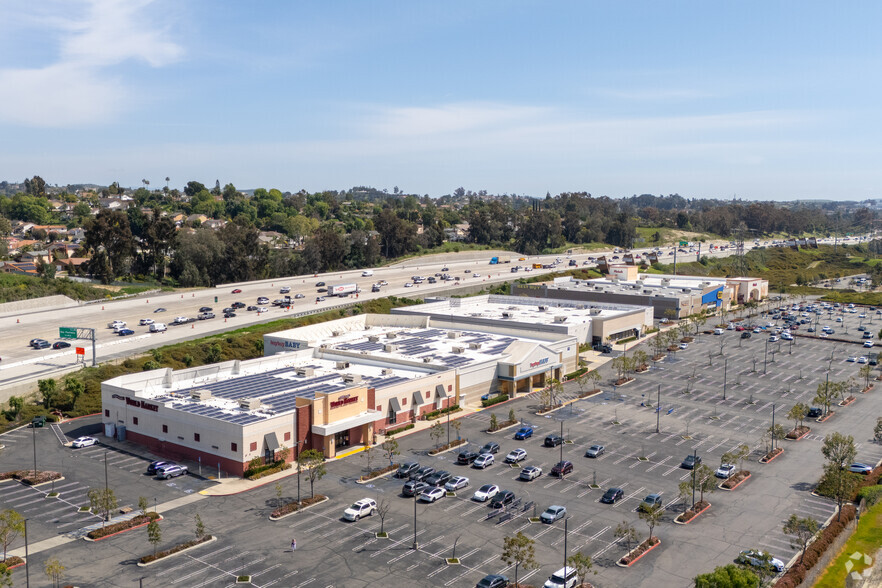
point(11, 562)
point(771, 455)
point(292, 507)
point(735, 480)
point(116, 528)
point(645, 547)
point(30, 478)
point(447, 446)
point(374, 474)
point(179, 548)
point(686, 517)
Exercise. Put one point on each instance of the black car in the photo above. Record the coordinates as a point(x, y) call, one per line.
point(319, 284)
point(60, 345)
point(503, 498)
point(746, 334)
point(238, 305)
point(490, 447)
point(229, 315)
point(229, 309)
point(492, 581)
point(691, 461)
point(612, 495)
point(814, 413)
point(406, 469)
point(439, 478)
point(414, 488)
point(466, 457)
point(422, 473)
point(251, 308)
point(562, 468)
point(205, 309)
point(155, 465)
point(553, 440)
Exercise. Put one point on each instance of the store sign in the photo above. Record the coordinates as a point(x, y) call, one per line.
point(542, 361)
point(285, 344)
point(343, 401)
point(138, 403)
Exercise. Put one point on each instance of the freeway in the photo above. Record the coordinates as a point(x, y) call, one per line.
point(21, 365)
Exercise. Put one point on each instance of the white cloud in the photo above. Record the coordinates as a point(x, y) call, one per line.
point(79, 87)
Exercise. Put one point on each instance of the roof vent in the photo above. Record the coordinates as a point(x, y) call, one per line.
point(342, 365)
point(453, 334)
point(560, 319)
point(203, 394)
point(389, 348)
point(365, 352)
point(458, 350)
point(388, 371)
point(474, 345)
point(352, 378)
point(336, 333)
point(506, 315)
point(249, 403)
point(391, 335)
point(305, 372)
point(373, 338)
point(594, 311)
point(543, 308)
point(427, 360)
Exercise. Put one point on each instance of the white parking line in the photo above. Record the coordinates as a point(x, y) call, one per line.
point(629, 496)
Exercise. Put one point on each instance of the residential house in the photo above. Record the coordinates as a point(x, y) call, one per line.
point(214, 223)
point(201, 218)
point(13, 267)
point(36, 256)
point(69, 265)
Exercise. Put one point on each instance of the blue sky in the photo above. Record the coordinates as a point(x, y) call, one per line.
point(763, 100)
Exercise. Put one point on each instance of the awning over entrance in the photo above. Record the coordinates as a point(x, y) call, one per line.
point(395, 405)
point(362, 419)
point(418, 399)
point(271, 441)
point(440, 391)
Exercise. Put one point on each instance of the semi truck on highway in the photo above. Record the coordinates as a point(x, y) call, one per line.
point(342, 290)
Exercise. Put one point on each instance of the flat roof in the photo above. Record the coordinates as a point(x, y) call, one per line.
point(628, 288)
point(277, 381)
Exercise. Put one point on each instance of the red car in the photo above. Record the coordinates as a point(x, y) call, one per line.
point(237, 291)
point(739, 328)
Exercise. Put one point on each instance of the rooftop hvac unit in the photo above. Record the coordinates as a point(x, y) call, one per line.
point(457, 350)
point(506, 315)
point(594, 311)
point(388, 371)
point(685, 290)
point(647, 291)
point(427, 360)
point(373, 338)
point(543, 308)
point(342, 365)
point(391, 335)
point(666, 281)
point(560, 319)
point(249, 403)
point(453, 334)
point(389, 348)
point(352, 378)
point(200, 394)
point(598, 288)
point(336, 333)
point(512, 308)
point(323, 346)
point(365, 352)
point(306, 372)
point(581, 307)
point(474, 345)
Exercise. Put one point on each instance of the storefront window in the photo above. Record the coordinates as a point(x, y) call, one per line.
point(341, 439)
point(392, 418)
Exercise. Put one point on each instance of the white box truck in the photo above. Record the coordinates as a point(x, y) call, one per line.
point(342, 290)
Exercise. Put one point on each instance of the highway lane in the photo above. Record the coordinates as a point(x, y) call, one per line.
point(20, 363)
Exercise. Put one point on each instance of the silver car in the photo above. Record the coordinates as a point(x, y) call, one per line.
point(171, 471)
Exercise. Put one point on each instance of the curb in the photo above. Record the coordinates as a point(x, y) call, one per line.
point(87, 538)
point(771, 459)
point(846, 402)
point(827, 417)
point(44, 483)
point(628, 565)
point(383, 475)
point(457, 446)
point(800, 438)
point(301, 509)
point(18, 565)
point(679, 522)
point(721, 487)
point(501, 429)
point(150, 563)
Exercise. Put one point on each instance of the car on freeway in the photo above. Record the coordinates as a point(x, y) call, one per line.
point(485, 492)
point(285, 290)
point(553, 513)
point(125, 332)
point(179, 320)
point(562, 468)
point(319, 284)
point(319, 298)
point(39, 343)
point(505, 497)
point(171, 471)
point(361, 508)
point(490, 447)
point(145, 322)
point(160, 309)
point(205, 309)
point(516, 455)
point(432, 494)
point(553, 441)
point(691, 461)
point(414, 488)
point(484, 460)
point(80, 442)
point(612, 496)
point(466, 457)
point(456, 483)
point(261, 309)
point(238, 305)
point(406, 469)
point(530, 473)
point(725, 470)
point(157, 327)
point(422, 473)
point(492, 581)
point(61, 345)
point(251, 308)
point(860, 468)
point(651, 501)
point(439, 478)
point(298, 296)
point(759, 558)
point(524, 433)
point(476, 275)
point(230, 314)
point(595, 451)
point(205, 316)
point(116, 324)
point(237, 291)
point(156, 465)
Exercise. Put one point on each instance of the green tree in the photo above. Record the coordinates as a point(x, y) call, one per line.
point(111, 244)
point(839, 450)
point(369, 454)
point(5, 576)
point(75, 388)
point(314, 462)
point(54, 570)
point(582, 564)
point(775, 433)
point(142, 505)
point(511, 415)
point(16, 403)
point(154, 534)
point(705, 481)
point(802, 530)
point(865, 372)
point(519, 551)
point(797, 414)
point(627, 533)
point(825, 394)
point(11, 526)
point(494, 424)
point(651, 516)
point(48, 391)
point(390, 448)
point(436, 432)
point(103, 500)
point(728, 576)
point(877, 430)
point(200, 527)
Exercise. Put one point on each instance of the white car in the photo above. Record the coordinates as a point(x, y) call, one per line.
point(262, 309)
point(146, 322)
point(868, 344)
point(83, 442)
point(363, 508)
point(787, 337)
point(116, 325)
point(485, 492)
point(725, 470)
point(516, 455)
point(408, 285)
point(476, 275)
point(838, 319)
point(862, 359)
point(684, 345)
point(773, 339)
point(180, 320)
point(456, 483)
point(432, 494)
point(157, 327)
point(530, 473)
point(483, 460)
point(284, 290)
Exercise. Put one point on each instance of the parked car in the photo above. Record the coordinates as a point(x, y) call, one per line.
point(171, 471)
point(725, 470)
point(80, 442)
point(155, 465)
point(651, 501)
point(524, 433)
point(684, 346)
point(530, 473)
point(860, 468)
point(490, 447)
point(595, 451)
point(755, 558)
point(362, 508)
point(432, 494)
point(504, 498)
point(612, 495)
point(814, 412)
point(485, 492)
point(516, 455)
point(414, 488)
point(553, 440)
point(492, 581)
point(422, 473)
point(691, 461)
point(456, 483)
point(746, 334)
point(483, 460)
point(406, 469)
point(439, 478)
point(466, 457)
point(553, 513)
point(562, 468)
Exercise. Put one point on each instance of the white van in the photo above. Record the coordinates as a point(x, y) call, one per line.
point(563, 578)
point(157, 327)
point(367, 273)
point(718, 331)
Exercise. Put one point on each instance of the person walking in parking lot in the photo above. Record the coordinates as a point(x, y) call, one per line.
point(293, 545)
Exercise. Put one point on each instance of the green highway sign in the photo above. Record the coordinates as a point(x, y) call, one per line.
point(67, 332)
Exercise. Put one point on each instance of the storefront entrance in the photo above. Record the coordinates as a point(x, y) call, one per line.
point(341, 439)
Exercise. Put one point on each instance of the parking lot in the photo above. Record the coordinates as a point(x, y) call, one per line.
point(647, 427)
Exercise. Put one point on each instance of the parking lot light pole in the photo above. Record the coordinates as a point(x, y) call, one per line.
point(561, 448)
point(566, 520)
point(766, 357)
point(34, 430)
point(694, 465)
point(415, 544)
point(27, 567)
point(725, 373)
point(658, 409)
